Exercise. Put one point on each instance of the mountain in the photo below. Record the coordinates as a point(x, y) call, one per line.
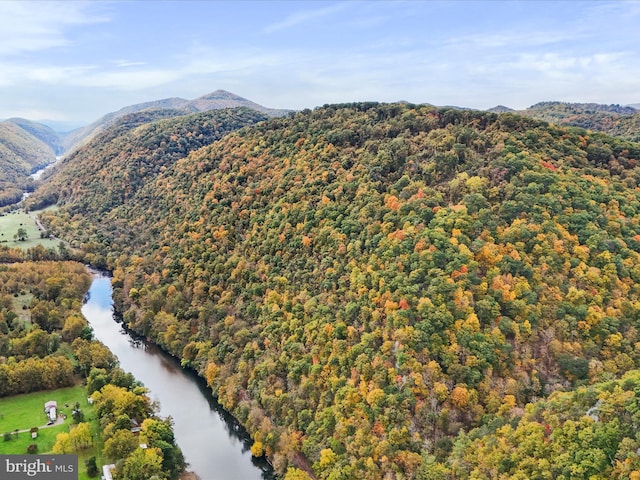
point(370, 288)
point(217, 100)
point(106, 178)
point(223, 99)
point(24, 147)
point(620, 121)
point(500, 109)
point(42, 132)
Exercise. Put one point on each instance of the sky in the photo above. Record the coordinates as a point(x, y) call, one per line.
point(68, 63)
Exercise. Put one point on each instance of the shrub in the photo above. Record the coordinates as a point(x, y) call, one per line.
point(92, 468)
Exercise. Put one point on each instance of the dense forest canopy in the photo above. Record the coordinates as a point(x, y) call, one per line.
point(361, 284)
point(113, 177)
point(39, 319)
point(616, 120)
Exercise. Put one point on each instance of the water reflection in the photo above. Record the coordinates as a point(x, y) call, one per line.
point(214, 444)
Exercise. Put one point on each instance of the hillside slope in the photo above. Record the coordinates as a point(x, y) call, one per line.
point(21, 153)
point(106, 178)
point(42, 132)
point(360, 283)
point(616, 120)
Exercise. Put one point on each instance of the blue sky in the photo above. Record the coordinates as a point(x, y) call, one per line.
point(73, 61)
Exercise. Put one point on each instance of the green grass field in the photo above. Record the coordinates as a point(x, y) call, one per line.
point(22, 412)
point(11, 222)
point(21, 305)
point(26, 411)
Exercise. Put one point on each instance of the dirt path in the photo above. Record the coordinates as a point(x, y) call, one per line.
point(59, 421)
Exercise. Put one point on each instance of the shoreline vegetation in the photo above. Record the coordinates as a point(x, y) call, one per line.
point(47, 344)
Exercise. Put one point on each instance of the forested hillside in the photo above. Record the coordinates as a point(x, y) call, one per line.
point(591, 432)
point(42, 132)
point(113, 177)
point(615, 120)
point(361, 284)
point(21, 153)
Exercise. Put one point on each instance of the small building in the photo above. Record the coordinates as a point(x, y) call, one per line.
point(51, 409)
point(106, 471)
point(135, 426)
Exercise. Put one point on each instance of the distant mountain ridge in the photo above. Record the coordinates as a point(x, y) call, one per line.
point(42, 132)
point(618, 120)
point(25, 146)
point(105, 177)
point(500, 109)
point(212, 101)
point(615, 109)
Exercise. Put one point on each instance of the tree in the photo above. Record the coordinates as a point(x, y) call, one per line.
point(21, 235)
point(63, 444)
point(120, 445)
point(92, 467)
point(296, 474)
point(73, 327)
point(142, 464)
point(80, 436)
point(159, 433)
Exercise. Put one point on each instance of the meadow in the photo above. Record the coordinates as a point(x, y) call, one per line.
point(11, 222)
point(22, 412)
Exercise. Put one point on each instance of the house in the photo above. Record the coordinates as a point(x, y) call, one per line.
point(106, 471)
point(51, 409)
point(135, 426)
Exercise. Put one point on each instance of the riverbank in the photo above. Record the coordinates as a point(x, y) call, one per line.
point(189, 476)
point(215, 446)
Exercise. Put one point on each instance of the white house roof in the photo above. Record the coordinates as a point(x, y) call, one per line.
point(106, 471)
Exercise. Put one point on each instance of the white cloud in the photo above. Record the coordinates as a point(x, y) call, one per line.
point(398, 59)
point(36, 113)
point(305, 16)
point(34, 26)
point(125, 64)
point(512, 39)
point(17, 74)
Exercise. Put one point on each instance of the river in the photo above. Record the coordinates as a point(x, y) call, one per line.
point(214, 444)
point(38, 174)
